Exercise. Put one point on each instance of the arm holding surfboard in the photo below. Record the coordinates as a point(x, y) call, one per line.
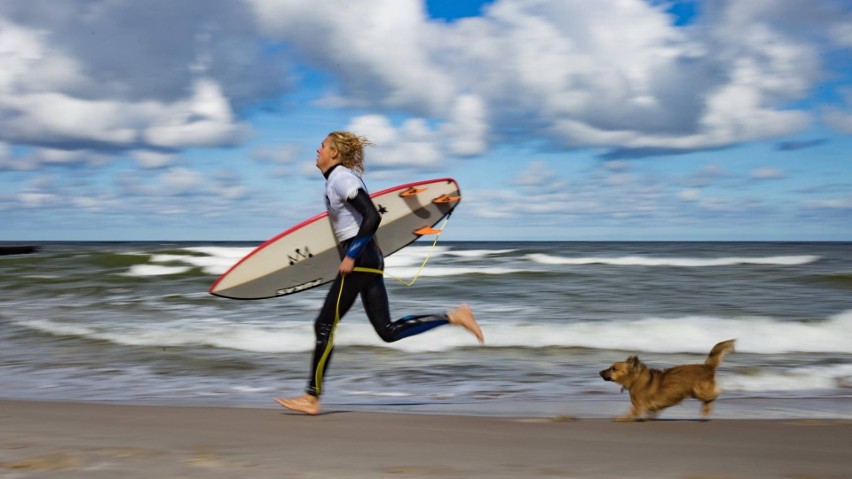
point(369, 225)
point(355, 220)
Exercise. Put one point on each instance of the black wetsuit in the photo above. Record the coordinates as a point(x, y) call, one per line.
point(370, 286)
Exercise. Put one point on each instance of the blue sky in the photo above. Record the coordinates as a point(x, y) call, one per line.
point(560, 119)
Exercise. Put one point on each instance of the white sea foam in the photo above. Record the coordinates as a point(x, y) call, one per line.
point(229, 252)
point(142, 270)
point(378, 394)
point(679, 262)
point(479, 253)
point(219, 259)
point(407, 262)
point(692, 334)
point(408, 273)
point(216, 261)
point(286, 337)
point(252, 389)
point(696, 335)
point(415, 255)
point(788, 379)
point(689, 334)
point(404, 264)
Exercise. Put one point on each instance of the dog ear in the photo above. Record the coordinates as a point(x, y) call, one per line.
point(633, 361)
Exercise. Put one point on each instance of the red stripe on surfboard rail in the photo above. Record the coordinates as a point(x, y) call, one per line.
point(413, 185)
point(319, 217)
point(264, 245)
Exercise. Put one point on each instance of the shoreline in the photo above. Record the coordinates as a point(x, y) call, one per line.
point(89, 440)
point(599, 407)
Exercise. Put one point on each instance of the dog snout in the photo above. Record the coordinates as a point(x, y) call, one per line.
point(605, 375)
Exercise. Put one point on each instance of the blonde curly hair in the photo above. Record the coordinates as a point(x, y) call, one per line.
point(350, 147)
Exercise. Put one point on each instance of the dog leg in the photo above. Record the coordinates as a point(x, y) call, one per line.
point(632, 415)
point(707, 393)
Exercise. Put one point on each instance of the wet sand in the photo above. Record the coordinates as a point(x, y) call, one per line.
point(76, 440)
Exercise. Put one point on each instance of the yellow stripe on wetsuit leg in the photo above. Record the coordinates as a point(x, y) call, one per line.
point(330, 345)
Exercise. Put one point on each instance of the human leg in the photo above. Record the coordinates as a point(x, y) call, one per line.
point(375, 299)
point(339, 299)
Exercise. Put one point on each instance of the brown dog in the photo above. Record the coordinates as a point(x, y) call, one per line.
point(652, 390)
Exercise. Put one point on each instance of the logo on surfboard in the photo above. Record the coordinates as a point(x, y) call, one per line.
point(299, 287)
point(300, 255)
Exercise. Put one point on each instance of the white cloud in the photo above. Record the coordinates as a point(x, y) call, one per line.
point(33, 158)
point(179, 181)
point(95, 203)
point(840, 118)
point(767, 173)
point(52, 156)
point(6, 162)
point(619, 179)
point(53, 117)
point(599, 197)
point(537, 175)
point(467, 128)
point(205, 119)
point(126, 75)
point(412, 145)
point(721, 204)
point(308, 170)
point(389, 46)
point(617, 165)
point(280, 155)
point(36, 199)
point(152, 159)
point(706, 176)
point(618, 74)
point(689, 194)
point(377, 128)
point(833, 203)
point(841, 33)
point(232, 192)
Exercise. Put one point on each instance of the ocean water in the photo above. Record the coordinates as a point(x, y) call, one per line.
point(133, 323)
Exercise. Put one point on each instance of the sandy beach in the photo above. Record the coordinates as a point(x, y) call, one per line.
point(85, 440)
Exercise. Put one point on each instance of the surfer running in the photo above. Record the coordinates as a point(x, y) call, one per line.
point(355, 220)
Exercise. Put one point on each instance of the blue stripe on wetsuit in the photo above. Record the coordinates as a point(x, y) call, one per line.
point(357, 245)
point(426, 321)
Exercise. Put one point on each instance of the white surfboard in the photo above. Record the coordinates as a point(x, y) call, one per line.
point(307, 255)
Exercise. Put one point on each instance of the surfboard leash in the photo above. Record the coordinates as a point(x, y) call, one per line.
point(440, 230)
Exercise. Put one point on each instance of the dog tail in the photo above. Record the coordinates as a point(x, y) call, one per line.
point(718, 353)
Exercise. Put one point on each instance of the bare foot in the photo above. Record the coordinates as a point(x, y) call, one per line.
point(462, 316)
point(307, 404)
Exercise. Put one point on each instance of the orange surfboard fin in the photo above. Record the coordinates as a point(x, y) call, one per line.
point(446, 199)
point(412, 191)
point(427, 230)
